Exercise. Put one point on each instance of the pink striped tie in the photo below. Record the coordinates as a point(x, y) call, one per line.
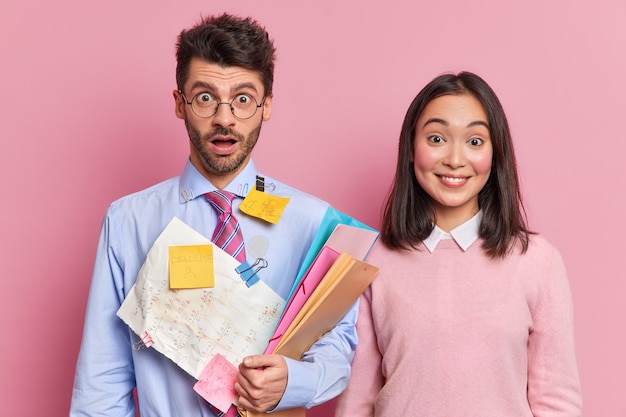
point(227, 234)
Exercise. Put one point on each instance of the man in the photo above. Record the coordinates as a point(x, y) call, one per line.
point(224, 77)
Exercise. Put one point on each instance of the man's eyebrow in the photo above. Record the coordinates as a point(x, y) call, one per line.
point(243, 86)
point(202, 84)
point(237, 87)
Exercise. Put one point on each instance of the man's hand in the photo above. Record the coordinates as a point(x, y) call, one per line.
point(261, 382)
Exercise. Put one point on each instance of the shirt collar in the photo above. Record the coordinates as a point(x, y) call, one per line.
point(464, 235)
point(193, 184)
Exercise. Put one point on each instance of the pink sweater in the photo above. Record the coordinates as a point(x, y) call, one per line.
point(454, 333)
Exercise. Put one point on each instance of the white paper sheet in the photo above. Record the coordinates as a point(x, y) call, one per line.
point(191, 326)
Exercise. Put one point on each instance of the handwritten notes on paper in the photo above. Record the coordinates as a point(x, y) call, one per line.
point(264, 206)
point(192, 326)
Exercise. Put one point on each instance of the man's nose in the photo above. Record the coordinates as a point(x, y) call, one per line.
point(224, 115)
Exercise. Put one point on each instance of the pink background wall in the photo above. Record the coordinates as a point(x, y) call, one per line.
point(87, 116)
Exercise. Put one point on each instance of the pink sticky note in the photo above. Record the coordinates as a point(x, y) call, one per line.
point(217, 383)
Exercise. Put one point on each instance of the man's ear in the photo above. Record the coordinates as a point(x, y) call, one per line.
point(179, 104)
point(267, 108)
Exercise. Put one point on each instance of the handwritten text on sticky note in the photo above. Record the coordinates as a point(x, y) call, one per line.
point(217, 383)
point(264, 206)
point(191, 266)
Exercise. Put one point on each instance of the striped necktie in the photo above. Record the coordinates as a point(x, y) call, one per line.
point(227, 234)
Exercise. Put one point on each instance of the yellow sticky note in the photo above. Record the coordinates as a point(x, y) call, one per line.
point(264, 206)
point(191, 266)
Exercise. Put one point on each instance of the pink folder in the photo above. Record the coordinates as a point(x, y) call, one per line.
point(322, 263)
point(355, 241)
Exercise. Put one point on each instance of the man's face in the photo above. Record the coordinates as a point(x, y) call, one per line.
point(220, 145)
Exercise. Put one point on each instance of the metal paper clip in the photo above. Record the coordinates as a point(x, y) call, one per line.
point(187, 195)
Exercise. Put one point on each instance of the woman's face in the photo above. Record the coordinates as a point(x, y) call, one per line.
point(452, 159)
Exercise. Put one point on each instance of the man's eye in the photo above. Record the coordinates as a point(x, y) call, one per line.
point(243, 99)
point(204, 98)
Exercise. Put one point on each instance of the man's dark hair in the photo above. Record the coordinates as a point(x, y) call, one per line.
point(228, 41)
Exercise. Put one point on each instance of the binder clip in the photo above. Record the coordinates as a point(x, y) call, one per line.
point(145, 342)
point(248, 273)
point(260, 183)
point(261, 186)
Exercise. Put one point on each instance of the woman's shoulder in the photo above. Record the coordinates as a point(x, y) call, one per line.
point(541, 259)
point(539, 245)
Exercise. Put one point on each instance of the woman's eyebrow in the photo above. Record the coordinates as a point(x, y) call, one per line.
point(445, 123)
point(435, 120)
point(479, 123)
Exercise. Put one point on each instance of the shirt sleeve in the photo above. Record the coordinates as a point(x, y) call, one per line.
point(366, 380)
point(553, 381)
point(324, 370)
point(104, 379)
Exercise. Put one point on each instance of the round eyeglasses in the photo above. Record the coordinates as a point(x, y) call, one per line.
point(204, 105)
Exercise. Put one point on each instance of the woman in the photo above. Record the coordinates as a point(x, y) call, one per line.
point(471, 314)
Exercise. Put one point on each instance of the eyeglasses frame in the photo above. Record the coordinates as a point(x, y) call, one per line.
point(217, 106)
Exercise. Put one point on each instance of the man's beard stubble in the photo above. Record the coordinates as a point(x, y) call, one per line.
point(223, 164)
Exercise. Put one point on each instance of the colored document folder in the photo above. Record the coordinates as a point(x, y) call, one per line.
point(340, 288)
point(309, 282)
point(321, 297)
point(332, 219)
point(356, 241)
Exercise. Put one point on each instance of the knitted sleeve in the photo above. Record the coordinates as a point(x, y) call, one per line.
point(553, 381)
point(366, 379)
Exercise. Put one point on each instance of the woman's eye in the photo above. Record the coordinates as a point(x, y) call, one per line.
point(435, 139)
point(476, 141)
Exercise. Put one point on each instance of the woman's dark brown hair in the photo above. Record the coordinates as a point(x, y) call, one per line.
point(409, 213)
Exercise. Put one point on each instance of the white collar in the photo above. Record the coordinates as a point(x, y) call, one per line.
point(464, 235)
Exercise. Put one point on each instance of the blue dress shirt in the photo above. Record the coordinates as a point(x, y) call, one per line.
point(109, 365)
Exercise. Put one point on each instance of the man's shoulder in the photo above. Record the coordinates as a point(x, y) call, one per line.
point(162, 191)
point(302, 209)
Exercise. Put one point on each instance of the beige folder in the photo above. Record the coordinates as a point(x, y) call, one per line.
point(342, 285)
